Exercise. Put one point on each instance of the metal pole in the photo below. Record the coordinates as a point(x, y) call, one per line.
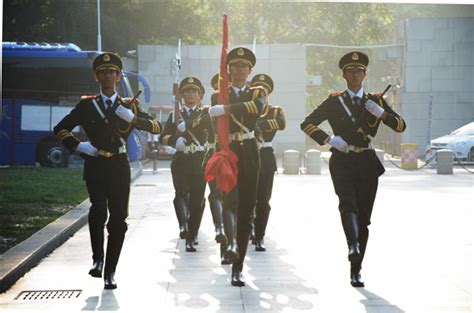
point(99, 38)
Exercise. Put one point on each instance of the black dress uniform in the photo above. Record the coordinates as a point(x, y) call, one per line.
point(355, 172)
point(107, 175)
point(186, 168)
point(268, 124)
point(245, 109)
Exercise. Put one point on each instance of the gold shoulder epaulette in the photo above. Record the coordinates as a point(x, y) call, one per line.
point(336, 94)
point(89, 97)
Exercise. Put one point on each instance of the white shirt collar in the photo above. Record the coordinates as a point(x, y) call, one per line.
point(359, 93)
point(237, 90)
point(112, 98)
point(188, 108)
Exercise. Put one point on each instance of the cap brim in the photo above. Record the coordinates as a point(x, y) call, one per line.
point(107, 67)
point(240, 60)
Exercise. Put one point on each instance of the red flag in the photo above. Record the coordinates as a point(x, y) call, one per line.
point(222, 166)
point(223, 95)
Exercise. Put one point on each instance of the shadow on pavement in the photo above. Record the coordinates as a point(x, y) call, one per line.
point(374, 303)
point(200, 282)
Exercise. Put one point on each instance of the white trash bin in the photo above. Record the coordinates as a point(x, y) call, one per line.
point(313, 162)
point(444, 161)
point(291, 162)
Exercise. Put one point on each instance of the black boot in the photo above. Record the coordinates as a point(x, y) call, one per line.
point(351, 230)
point(190, 245)
point(223, 248)
point(356, 279)
point(252, 233)
point(182, 214)
point(230, 228)
point(96, 270)
point(259, 245)
point(237, 279)
point(109, 281)
point(216, 211)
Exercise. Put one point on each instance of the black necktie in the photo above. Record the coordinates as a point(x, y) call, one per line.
point(356, 99)
point(241, 92)
point(108, 106)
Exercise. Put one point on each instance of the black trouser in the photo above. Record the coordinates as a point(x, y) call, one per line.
point(355, 180)
point(240, 202)
point(189, 185)
point(264, 191)
point(110, 192)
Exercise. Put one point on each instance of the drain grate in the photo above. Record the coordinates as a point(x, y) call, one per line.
point(48, 294)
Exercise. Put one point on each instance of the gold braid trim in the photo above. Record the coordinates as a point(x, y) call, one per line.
point(165, 139)
point(63, 134)
point(310, 129)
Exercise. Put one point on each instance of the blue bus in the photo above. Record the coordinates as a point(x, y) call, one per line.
point(41, 83)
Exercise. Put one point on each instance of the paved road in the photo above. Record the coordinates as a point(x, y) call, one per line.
point(418, 259)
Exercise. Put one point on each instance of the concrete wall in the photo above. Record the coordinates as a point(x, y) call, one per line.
point(439, 61)
point(285, 63)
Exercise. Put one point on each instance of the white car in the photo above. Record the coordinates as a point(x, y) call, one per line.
point(460, 141)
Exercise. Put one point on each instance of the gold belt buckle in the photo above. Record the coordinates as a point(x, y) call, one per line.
point(192, 148)
point(238, 136)
point(108, 154)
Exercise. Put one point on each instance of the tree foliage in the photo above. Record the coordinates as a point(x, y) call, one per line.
point(127, 23)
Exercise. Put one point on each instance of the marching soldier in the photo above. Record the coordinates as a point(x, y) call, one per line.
point(186, 168)
point(245, 106)
point(354, 117)
point(107, 120)
point(272, 120)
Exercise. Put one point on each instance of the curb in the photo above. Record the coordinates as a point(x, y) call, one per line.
point(18, 260)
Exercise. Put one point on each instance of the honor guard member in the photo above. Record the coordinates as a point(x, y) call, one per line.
point(354, 117)
point(107, 120)
point(188, 179)
point(272, 120)
point(205, 123)
point(245, 107)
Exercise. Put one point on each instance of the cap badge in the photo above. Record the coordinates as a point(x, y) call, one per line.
point(190, 80)
point(261, 77)
point(355, 56)
point(240, 51)
point(106, 58)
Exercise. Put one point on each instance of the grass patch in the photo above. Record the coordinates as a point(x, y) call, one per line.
point(31, 198)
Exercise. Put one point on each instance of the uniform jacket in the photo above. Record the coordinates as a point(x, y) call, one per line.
point(171, 134)
point(102, 135)
point(355, 130)
point(246, 108)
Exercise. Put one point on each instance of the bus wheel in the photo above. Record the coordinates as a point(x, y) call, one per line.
point(52, 156)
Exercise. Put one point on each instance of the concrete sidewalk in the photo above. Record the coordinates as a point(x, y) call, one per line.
point(418, 260)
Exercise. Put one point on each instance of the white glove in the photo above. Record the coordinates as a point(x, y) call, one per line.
point(180, 144)
point(125, 114)
point(87, 148)
point(217, 110)
point(374, 108)
point(182, 127)
point(338, 143)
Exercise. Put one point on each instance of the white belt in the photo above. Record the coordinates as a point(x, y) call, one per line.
point(265, 144)
point(211, 145)
point(193, 148)
point(352, 148)
point(241, 136)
